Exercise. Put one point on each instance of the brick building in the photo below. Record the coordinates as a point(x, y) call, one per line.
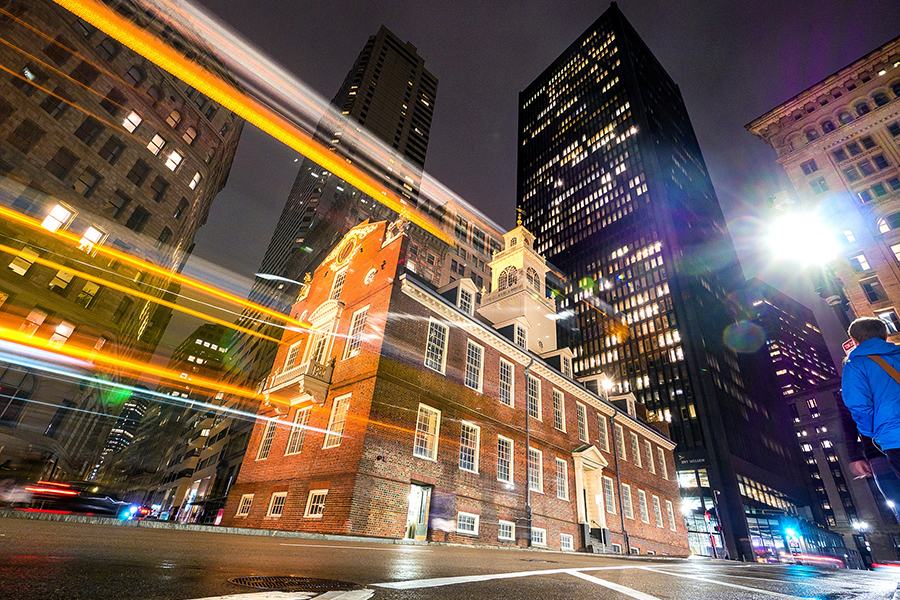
point(101, 152)
point(839, 142)
point(416, 412)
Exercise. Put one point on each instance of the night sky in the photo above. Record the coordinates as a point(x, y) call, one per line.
point(733, 61)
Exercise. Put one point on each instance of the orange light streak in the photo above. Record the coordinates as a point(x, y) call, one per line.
point(141, 295)
point(150, 267)
point(168, 59)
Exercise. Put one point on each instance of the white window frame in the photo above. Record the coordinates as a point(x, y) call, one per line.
point(603, 436)
point(567, 366)
point(562, 479)
point(270, 513)
point(566, 542)
point(337, 286)
point(475, 449)
point(627, 507)
point(426, 434)
point(132, 121)
point(473, 516)
point(536, 470)
point(298, 431)
point(521, 335)
point(512, 531)
point(355, 332)
point(174, 160)
point(265, 442)
point(538, 537)
point(439, 351)
point(319, 496)
point(644, 508)
point(663, 467)
point(651, 465)
point(670, 513)
point(467, 302)
point(510, 459)
point(474, 371)
point(616, 548)
point(244, 505)
point(537, 397)
point(338, 418)
point(657, 512)
point(636, 449)
point(581, 417)
point(559, 410)
point(619, 434)
point(609, 495)
point(291, 357)
point(156, 144)
point(503, 384)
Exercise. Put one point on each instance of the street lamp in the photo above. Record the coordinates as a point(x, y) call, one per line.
point(803, 237)
point(862, 544)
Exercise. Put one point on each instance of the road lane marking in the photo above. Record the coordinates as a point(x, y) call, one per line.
point(613, 586)
point(396, 547)
point(758, 578)
point(733, 585)
point(415, 584)
point(263, 596)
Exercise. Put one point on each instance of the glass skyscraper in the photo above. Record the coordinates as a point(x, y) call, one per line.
point(612, 183)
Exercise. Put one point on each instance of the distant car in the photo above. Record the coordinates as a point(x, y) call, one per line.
point(77, 497)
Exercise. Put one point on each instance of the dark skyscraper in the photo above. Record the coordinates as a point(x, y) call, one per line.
point(612, 183)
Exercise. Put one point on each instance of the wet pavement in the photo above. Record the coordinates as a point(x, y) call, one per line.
point(57, 560)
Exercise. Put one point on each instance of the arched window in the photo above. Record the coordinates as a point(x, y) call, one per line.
point(533, 279)
point(513, 242)
point(134, 76)
point(845, 118)
point(811, 135)
point(889, 223)
point(862, 109)
point(895, 87)
point(880, 98)
point(508, 278)
point(827, 127)
point(174, 119)
point(190, 134)
point(154, 93)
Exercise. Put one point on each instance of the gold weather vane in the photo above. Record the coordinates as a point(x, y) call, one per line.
point(519, 213)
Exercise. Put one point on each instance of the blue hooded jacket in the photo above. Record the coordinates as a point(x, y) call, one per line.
point(871, 394)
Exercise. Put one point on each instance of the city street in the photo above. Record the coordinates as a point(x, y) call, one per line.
point(55, 560)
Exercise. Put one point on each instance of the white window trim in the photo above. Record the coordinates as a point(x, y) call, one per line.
point(540, 470)
point(242, 509)
point(512, 383)
point(339, 278)
point(517, 330)
point(542, 544)
point(643, 506)
point(563, 537)
point(446, 328)
point(309, 498)
point(437, 432)
point(295, 350)
point(477, 445)
point(331, 435)
point(512, 530)
point(651, 463)
point(670, 513)
point(612, 487)
point(627, 502)
point(349, 350)
point(616, 548)
point(604, 430)
point(663, 467)
point(581, 419)
point(562, 408)
point(471, 308)
point(479, 349)
point(619, 434)
point(540, 410)
point(565, 473)
point(636, 449)
point(298, 431)
point(268, 432)
point(512, 458)
point(276, 495)
point(465, 531)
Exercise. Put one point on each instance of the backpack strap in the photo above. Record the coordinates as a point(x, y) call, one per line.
point(887, 367)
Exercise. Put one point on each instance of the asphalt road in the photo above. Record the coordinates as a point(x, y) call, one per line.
point(42, 560)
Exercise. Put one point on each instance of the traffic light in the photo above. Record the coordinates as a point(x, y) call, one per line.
point(707, 517)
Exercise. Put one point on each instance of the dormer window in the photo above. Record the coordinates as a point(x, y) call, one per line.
point(521, 337)
point(466, 303)
point(567, 366)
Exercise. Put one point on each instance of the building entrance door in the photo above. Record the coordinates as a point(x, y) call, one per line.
point(417, 517)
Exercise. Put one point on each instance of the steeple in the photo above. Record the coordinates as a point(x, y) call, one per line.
point(519, 305)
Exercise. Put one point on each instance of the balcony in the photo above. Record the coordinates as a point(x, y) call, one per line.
point(312, 379)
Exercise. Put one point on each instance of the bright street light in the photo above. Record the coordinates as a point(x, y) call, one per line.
point(803, 237)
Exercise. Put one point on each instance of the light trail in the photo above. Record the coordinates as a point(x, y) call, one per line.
point(168, 59)
point(141, 295)
point(123, 257)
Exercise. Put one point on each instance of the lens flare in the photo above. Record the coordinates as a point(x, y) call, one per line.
point(744, 337)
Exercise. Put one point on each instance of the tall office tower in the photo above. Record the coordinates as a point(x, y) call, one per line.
point(612, 182)
point(101, 153)
point(794, 346)
point(838, 142)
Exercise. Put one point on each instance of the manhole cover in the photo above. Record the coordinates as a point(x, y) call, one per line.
point(289, 583)
point(538, 560)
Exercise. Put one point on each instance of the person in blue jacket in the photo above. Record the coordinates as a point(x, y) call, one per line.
point(870, 391)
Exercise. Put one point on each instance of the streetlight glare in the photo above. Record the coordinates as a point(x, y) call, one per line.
point(803, 237)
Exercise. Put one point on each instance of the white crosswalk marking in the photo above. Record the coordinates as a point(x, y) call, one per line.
point(732, 585)
point(614, 586)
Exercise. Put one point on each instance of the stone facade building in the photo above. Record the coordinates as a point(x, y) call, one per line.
point(108, 167)
point(839, 142)
point(410, 411)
